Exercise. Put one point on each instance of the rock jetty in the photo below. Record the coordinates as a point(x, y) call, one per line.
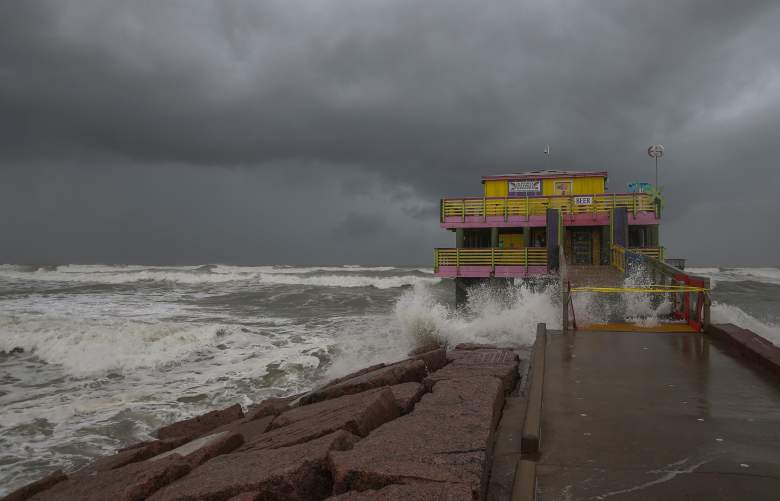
point(419, 429)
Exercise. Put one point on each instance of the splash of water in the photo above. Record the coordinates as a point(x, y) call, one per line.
point(641, 308)
point(505, 316)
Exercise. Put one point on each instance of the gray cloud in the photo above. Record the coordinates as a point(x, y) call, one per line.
point(175, 131)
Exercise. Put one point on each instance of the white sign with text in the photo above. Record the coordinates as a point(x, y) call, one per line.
point(531, 186)
point(583, 200)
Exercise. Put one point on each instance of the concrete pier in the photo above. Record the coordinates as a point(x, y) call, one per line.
point(647, 416)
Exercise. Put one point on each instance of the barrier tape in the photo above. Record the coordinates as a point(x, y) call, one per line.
point(644, 288)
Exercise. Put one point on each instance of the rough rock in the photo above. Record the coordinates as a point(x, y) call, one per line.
point(204, 448)
point(418, 491)
point(482, 355)
point(200, 425)
point(133, 482)
point(269, 407)
point(170, 443)
point(133, 454)
point(293, 473)
point(247, 427)
point(359, 372)
point(357, 414)
point(406, 395)
point(480, 362)
point(434, 359)
point(447, 438)
point(247, 496)
point(402, 372)
point(29, 490)
point(474, 346)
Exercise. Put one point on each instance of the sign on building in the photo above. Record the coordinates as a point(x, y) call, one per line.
point(583, 200)
point(529, 187)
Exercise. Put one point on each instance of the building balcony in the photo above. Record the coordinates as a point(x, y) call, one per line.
point(490, 262)
point(576, 210)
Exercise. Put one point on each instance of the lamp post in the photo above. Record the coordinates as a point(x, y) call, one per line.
point(656, 151)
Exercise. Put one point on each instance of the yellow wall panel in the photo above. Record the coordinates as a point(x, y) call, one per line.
point(578, 186)
point(496, 188)
point(588, 185)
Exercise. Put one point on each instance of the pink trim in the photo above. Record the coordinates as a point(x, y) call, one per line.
point(591, 219)
point(520, 197)
point(485, 271)
point(463, 271)
point(642, 218)
point(493, 221)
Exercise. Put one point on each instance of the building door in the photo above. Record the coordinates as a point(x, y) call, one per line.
point(581, 247)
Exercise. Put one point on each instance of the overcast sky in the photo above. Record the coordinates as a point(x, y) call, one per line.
point(260, 132)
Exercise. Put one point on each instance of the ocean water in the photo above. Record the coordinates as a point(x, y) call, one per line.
point(110, 353)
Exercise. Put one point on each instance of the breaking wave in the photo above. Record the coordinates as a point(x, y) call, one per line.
point(381, 277)
point(84, 347)
point(766, 275)
point(722, 313)
point(506, 316)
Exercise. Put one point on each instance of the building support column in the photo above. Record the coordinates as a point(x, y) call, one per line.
point(552, 239)
point(460, 292)
point(620, 227)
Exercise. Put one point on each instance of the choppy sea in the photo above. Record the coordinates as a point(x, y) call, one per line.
point(95, 357)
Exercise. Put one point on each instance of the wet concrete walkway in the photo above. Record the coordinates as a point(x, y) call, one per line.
point(646, 416)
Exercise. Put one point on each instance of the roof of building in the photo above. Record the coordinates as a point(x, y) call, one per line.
point(541, 174)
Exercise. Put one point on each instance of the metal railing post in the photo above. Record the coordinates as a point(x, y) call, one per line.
point(526, 261)
point(527, 210)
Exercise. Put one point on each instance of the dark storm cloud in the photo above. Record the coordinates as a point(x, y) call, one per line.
point(381, 107)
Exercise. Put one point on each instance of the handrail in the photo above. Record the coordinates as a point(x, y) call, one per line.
point(528, 256)
point(653, 252)
point(564, 285)
point(537, 205)
point(689, 293)
point(618, 257)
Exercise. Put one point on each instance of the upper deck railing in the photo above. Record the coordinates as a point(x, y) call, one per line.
point(532, 256)
point(537, 206)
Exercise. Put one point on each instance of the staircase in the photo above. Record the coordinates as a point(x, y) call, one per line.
point(594, 276)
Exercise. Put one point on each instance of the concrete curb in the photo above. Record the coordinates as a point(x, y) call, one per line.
point(532, 435)
point(748, 344)
point(524, 488)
